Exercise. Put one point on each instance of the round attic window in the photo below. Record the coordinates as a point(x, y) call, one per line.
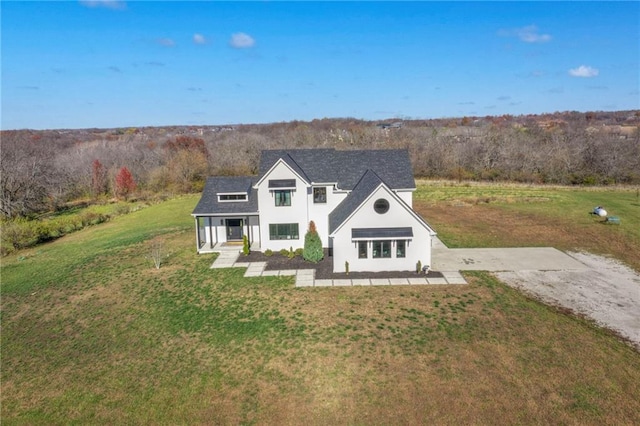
point(381, 206)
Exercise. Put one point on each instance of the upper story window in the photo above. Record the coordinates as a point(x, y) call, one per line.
point(381, 206)
point(319, 195)
point(282, 197)
point(232, 197)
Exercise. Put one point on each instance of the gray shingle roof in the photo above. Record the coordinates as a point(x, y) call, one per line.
point(344, 167)
point(367, 184)
point(209, 203)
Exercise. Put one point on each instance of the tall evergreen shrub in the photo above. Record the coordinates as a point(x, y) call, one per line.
point(312, 245)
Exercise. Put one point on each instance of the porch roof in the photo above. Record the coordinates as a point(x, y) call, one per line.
point(209, 205)
point(381, 233)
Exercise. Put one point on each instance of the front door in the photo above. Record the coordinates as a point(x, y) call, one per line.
point(234, 229)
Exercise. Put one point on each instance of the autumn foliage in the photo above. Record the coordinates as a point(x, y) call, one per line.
point(44, 170)
point(124, 183)
point(98, 178)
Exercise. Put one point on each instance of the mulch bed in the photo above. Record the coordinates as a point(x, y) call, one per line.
point(324, 268)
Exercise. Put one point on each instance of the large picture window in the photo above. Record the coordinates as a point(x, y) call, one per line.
point(362, 249)
point(283, 197)
point(401, 248)
point(381, 249)
point(283, 231)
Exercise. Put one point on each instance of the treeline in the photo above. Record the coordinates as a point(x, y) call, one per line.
point(44, 170)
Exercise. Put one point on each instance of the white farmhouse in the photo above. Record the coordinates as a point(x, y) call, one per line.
point(360, 201)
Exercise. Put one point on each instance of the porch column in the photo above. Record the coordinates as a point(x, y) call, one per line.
point(197, 235)
point(211, 243)
point(249, 237)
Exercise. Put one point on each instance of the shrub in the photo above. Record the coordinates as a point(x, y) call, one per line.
point(346, 267)
point(298, 252)
point(312, 251)
point(284, 252)
point(245, 245)
point(268, 252)
point(418, 267)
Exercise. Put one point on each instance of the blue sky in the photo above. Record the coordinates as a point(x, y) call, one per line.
point(119, 64)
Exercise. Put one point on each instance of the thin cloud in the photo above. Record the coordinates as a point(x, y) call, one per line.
point(29, 87)
point(241, 41)
point(584, 71)
point(528, 34)
point(199, 39)
point(106, 4)
point(504, 98)
point(166, 42)
point(114, 69)
point(154, 64)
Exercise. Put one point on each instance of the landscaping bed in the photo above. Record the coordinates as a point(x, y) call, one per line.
point(324, 268)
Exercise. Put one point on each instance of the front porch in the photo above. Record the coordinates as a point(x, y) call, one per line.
point(216, 232)
point(227, 247)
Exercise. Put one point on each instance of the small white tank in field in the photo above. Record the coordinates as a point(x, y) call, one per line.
point(599, 211)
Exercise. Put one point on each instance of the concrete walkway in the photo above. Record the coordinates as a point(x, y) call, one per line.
point(504, 259)
point(445, 260)
point(228, 258)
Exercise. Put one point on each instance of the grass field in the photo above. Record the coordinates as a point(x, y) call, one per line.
point(93, 333)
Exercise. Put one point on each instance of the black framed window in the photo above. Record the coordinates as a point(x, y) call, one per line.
point(362, 249)
point(381, 206)
point(283, 231)
point(320, 195)
point(283, 197)
point(381, 249)
point(233, 197)
point(401, 248)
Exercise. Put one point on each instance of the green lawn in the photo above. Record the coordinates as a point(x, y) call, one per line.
point(483, 215)
point(93, 333)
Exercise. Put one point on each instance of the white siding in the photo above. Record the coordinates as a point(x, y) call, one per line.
point(270, 213)
point(319, 212)
point(417, 249)
point(406, 196)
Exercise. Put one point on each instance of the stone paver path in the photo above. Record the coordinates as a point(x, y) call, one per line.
point(306, 277)
point(448, 261)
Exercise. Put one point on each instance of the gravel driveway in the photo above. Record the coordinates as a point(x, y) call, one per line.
point(607, 292)
point(594, 286)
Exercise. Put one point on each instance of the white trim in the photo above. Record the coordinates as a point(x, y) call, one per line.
point(324, 183)
point(246, 197)
point(383, 239)
point(397, 198)
point(224, 214)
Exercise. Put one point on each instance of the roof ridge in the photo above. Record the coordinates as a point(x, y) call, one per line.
point(287, 154)
point(364, 174)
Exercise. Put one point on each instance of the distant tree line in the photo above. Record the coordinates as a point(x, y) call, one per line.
point(43, 170)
